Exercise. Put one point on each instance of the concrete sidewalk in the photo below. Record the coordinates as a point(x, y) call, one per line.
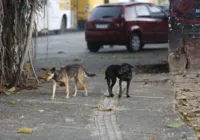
point(151, 109)
point(144, 116)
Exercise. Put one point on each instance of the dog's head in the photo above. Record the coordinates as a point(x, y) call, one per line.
point(125, 67)
point(50, 74)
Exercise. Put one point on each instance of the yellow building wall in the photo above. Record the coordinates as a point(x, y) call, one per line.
point(113, 1)
point(86, 6)
point(64, 5)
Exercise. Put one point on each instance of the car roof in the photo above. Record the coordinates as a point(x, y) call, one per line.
point(123, 4)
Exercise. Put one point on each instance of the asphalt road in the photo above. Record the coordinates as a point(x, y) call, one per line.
point(68, 48)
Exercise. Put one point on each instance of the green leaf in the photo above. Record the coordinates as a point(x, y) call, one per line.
point(27, 64)
point(40, 110)
point(25, 130)
point(10, 91)
point(103, 70)
point(13, 102)
point(76, 59)
point(176, 124)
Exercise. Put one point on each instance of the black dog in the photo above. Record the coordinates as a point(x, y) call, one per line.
point(123, 72)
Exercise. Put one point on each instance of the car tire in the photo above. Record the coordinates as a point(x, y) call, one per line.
point(93, 47)
point(135, 43)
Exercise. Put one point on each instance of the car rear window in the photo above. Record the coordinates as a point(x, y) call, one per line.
point(106, 12)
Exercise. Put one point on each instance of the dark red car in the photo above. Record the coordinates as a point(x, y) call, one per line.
point(132, 24)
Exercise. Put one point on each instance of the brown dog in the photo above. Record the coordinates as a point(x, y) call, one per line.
point(74, 72)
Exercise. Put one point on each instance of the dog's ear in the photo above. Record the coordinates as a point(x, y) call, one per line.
point(53, 70)
point(132, 69)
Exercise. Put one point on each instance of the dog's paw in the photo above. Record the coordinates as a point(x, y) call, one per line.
point(128, 96)
point(52, 98)
point(110, 96)
point(74, 95)
point(66, 97)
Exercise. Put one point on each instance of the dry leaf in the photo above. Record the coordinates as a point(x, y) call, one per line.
point(102, 109)
point(17, 90)
point(11, 117)
point(76, 59)
point(176, 124)
point(25, 130)
point(27, 68)
point(10, 91)
point(105, 110)
point(95, 107)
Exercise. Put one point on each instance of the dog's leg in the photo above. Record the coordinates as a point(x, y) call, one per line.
point(85, 87)
point(75, 87)
point(114, 79)
point(127, 89)
point(109, 87)
point(120, 88)
point(82, 82)
point(67, 88)
point(54, 90)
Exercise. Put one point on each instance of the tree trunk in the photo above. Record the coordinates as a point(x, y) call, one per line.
point(15, 38)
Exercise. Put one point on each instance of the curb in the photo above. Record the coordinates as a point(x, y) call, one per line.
point(57, 33)
point(106, 122)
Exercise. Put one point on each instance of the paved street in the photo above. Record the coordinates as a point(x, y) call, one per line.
point(144, 116)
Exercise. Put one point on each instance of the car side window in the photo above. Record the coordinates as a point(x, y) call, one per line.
point(130, 13)
point(156, 12)
point(142, 11)
point(154, 9)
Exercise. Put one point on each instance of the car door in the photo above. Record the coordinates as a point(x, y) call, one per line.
point(146, 23)
point(161, 22)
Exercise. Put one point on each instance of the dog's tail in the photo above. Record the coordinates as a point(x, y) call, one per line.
point(88, 74)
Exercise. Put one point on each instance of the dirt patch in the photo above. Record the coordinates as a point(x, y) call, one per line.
point(152, 69)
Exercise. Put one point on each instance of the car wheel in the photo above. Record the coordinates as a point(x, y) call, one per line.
point(135, 43)
point(93, 47)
